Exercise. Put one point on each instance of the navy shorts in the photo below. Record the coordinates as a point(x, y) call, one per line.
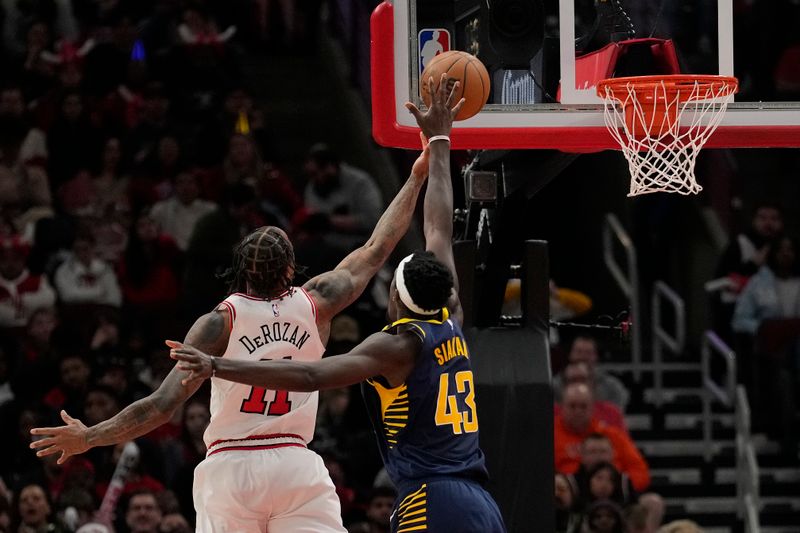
point(446, 505)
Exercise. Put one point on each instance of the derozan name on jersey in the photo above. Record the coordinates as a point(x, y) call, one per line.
point(277, 331)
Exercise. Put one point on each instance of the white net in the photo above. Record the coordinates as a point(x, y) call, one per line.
point(661, 127)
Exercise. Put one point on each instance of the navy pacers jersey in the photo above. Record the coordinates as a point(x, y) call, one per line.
point(428, 426)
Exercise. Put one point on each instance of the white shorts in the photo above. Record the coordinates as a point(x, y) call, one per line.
point(265, 486)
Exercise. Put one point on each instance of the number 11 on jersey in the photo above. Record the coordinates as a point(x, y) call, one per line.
point(256, 404)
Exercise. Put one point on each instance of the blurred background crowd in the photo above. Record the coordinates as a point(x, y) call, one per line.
point(135, 151)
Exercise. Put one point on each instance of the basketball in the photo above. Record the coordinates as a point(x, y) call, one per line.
point(462, 67)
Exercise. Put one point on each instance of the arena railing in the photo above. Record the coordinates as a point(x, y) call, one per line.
point(628, 281)
point(661, 338)
point(723, 393)
point(748, 489)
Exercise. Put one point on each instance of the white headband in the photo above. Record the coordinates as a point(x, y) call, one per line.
point(402, 290)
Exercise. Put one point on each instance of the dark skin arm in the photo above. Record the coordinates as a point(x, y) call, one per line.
point(209, 331)
point(438, 209)
point(380, 354)
point(390, 356)
point(333, 291)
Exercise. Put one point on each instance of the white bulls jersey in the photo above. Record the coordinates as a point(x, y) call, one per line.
point(280, 328)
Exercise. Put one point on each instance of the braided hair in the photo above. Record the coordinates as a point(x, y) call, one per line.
point(263, 262)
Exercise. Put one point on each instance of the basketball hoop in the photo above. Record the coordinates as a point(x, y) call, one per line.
point(661, 123)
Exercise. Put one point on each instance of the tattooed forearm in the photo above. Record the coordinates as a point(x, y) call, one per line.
point(136, 420)
point(394, 222)
point(143, 416)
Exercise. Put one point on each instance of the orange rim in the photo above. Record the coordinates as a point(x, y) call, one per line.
point(674, 84)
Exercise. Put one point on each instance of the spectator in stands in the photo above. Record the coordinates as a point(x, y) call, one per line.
point(147, 275)
point(24, 196)
point(636, 519)
point(37, 359)
point(597, 450)
point(655, 507)
point(186, 452)
point(198, 28)
point(604, 516)
point(72, 141)
point(379, 512)
point(276, 197)
point(84, 279)
point(347, 195)
point(111, 230)
point(568, 516)
point(142, 514)
point(34, 510)
point(211, 245)
point(681, 526)
point(154, 122)
point(605, 483)
point(178, 215)
point(71, 391)
point(768, 315)
point(64, 480)
point(101, 403)
point(111, 180)
point(344, 491)
point(745, 254)
point(576, 423)
point(21, 292)
point(240, 113)
point(6, 392)
point(117, 372)
point(604, 411)
point(773, 292)
point(75, 508)
point(5, 514)
point(174, 523)
point(606, 387)
point(33, 146)
point(329, 431)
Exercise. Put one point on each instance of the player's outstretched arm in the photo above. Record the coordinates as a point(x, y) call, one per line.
point(335, 290)
point(379, 354)
point(438, 209)
point(210, 331)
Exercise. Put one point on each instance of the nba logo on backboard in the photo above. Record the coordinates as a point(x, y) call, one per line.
point(432, 42)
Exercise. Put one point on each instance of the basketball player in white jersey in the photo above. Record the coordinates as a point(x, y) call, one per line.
point(258, 474)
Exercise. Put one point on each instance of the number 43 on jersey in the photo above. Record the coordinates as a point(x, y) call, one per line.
point(447, 412)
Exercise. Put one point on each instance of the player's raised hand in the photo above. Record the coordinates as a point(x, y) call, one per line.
point(199, 365)
point(420, 167)
point(438, 118)
point(67, 440)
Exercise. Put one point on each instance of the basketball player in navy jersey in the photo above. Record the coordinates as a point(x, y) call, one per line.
point(258, 474)
point(416, 374)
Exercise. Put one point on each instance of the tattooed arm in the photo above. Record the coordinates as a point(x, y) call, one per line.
point(141, 417)
point(335, 290)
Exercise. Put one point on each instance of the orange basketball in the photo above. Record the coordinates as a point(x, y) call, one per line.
point(462, 67)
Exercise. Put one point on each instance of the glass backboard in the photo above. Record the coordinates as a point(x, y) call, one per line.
point(538, 53)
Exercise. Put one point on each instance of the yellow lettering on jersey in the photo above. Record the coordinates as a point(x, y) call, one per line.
point(439, 358)
point(450, 349)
